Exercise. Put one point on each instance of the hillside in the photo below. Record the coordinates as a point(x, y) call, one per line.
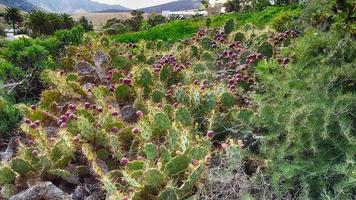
point(21, 4)
point(74, 6)
point(172, 6)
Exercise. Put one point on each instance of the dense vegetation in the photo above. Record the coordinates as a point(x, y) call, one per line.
point(253, 105)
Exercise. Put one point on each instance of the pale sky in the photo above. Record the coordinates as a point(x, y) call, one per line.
point(135, 3)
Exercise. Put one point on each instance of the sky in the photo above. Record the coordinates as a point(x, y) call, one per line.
point(135, 3)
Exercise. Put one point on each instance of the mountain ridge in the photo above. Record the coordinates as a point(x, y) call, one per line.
point(171, 6)
point(21, 4)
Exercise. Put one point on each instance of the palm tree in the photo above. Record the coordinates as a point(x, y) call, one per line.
point(38, 22)
point(13, 16)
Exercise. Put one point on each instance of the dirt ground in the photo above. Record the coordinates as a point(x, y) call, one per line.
point(99, 19)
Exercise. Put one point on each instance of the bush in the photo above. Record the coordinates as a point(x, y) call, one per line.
point(156, 19)
point(86, 24)
point(9, 116)
point(2, 30)
point(233, 6)
point(306, 118)
point(259, 5)
point(283, 21)
point(116, 28)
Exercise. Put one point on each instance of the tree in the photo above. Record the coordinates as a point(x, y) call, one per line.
point(136, 21)
point(259, 5)
point(38, 22)
point(86, 24)
point(67, 21)
point(233, 6)
point(13, 16)
point(205, 3)
point(156, 19)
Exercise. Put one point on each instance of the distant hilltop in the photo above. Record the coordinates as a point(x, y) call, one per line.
point(61, 6)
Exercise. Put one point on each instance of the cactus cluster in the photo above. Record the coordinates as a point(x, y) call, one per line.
point(144, 130)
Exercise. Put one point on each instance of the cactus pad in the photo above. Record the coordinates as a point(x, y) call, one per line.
point(183, 116)
point(150, 151)
point(177, 165)
point(266, 49)
point(162, 121)
point(7, 175)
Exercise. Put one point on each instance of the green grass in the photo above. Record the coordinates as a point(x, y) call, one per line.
point(180, 29)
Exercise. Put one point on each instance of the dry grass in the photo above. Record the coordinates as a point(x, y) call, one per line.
point(99, 19)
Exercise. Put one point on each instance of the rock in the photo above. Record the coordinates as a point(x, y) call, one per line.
point(74, 175)
point(9, 152)
point(79, 193)
point(44, 190)
point(128, 113)
point(99, 58)
point(85, 69)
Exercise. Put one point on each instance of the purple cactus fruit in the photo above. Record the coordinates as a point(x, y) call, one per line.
point(175, 104)
point(87, 105)
point(37, 122)
point(72, 107)
point(224, 146)
point(140, 158)
point(210, 134)
point(33, 125)
point(28, 121)
point(124, 161)
point(64, 118)
point(72, 116)
point(63, 125)
point(195, 162)
point(99, 109)
point(17, 141)
point(35, 153)
point(139, 114)
point(136, 130)
point(33, 107)
point(115, 114)
point(114, 130)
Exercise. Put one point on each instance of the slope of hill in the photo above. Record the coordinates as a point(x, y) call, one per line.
point(21, 4)
point(75, 6)
point(172, 6)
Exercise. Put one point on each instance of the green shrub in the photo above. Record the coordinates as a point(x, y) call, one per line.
point(283, 21)
point(306, 118)
point(9, 116)
point(156, 19)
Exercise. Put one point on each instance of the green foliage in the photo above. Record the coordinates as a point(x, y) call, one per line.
point(229, 26)
point(183, 116)
point(266, 49)
point(150, 151)
point(177, 165)
point(156, 19)
point(227, 99)
point(233, 6)
point(179, 29)
point(162, 121)
point(86, 24)
point(13, 16)
point(42, 23)
point(20, 166)
point(307, 121)
point(6, 175)
point(9, 116)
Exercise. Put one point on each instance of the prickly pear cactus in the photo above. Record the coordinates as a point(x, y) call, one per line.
point(239, 37)
point(266, 49)
point(7, 175)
